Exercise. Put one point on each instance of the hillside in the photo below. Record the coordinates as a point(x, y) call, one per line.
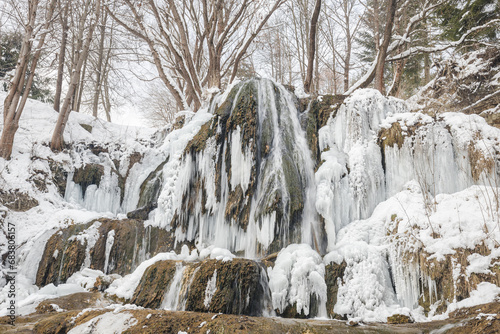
point(261, 204)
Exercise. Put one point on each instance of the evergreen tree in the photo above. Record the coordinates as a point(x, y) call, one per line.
point(458, 16)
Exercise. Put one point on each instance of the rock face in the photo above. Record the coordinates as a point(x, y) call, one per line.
point(17, 200)
point(232, 287)
point(250, 174)
point(112, 246)
point(319, 111)
point(333, 273)
point(443, 281)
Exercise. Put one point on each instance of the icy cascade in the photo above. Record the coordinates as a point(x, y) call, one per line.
point(371, 147)
point(246, 180)
point(111, 179)
point(171, 299)
point(438, 154)
point(298, 279)
point(104, 197)
point(351, 181)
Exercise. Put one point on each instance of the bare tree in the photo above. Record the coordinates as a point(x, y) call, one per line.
point(25, 72)
point(64, 12)
point(87, 24)
point(382, 52)
point(194, 44)
point(346, 15)
point(312, 46)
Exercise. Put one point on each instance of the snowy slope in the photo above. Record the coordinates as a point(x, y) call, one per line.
point(392, 185)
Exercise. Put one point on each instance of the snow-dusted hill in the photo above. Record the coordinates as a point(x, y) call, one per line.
point(399, 215)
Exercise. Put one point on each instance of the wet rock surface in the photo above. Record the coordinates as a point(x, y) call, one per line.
point(68, 248)
point(229, 287)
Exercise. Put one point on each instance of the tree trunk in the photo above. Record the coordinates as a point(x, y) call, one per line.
point(382, 55)
point(7, 139)
point(312, 46)
point(57, 142)
point(347, 59)
point(18, 93)
point(62, 57)
point(106, 99)
point(398, 74)
point(99, 76)
point(80, 86)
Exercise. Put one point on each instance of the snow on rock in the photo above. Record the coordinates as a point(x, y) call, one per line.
point(485, 293)
point(401, 229)
point(110, 322)
point(125, 287)
point(391, 186)
point(33, 296)
point(297, 278)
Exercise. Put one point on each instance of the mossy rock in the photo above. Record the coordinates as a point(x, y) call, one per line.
point(153, 285)
point(199, 141)
point(397, 319)
point(88, 175)
point(151, 187)
point(238, 288)
point(392, 136)
point(59, 176)
point(333, 274)
point(75, 301)
point(319, 113)
point(68, 259)
point(87, 127)
point(131, 239)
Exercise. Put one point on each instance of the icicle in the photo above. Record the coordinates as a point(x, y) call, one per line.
point(210, 290)
point(110, 240)
point(171, 298)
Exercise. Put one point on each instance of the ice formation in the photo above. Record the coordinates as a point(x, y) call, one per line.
point(238, 178)
point(275, 162)
point(297, 279)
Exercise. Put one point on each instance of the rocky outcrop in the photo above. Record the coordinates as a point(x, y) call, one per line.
point(333, 275)
point(319, 111)
point(451, 279)
point(112, 246)
point(154, 283)
point(17, 200)
point(247, 170)
point(88, 175)
point(468, 83)
point(230, 287)
point(62, 256)
point(480, 319)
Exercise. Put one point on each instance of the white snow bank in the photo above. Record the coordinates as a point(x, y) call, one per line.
point(111, 323)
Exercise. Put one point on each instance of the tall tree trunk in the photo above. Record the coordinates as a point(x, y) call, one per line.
point(312, 46)
point(347, 59)
point(106, 99)
point(81, 85)
point(398, 74)
point(382, 54)
point(57, 142)
point(19, 91)
point(62, 57)
point(99, 76)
